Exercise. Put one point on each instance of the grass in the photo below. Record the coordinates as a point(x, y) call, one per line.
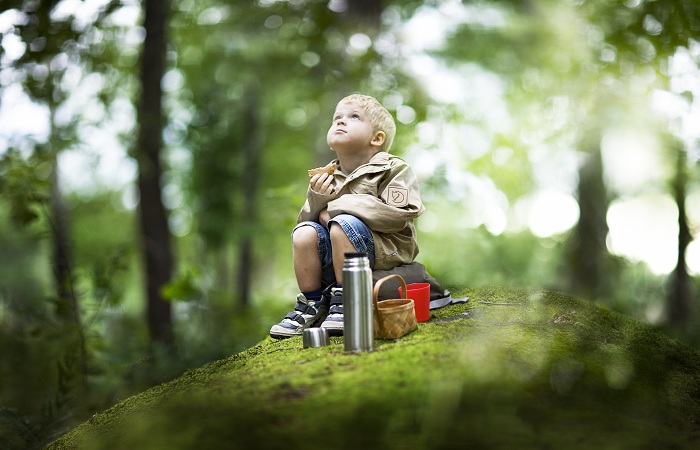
point(508, 369)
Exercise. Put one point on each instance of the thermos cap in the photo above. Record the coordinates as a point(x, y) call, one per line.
point(315, 337)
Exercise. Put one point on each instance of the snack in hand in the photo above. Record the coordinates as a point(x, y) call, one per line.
point(329, 169)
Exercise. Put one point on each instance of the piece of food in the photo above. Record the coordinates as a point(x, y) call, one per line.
point(329, 169)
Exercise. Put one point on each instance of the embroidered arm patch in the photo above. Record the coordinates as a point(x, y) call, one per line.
point(397, 196)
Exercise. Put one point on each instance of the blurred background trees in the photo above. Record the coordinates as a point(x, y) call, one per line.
point(555, 142)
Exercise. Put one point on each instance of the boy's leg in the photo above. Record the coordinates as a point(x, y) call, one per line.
point(313, 268)
point(348, 235)
point(341, 245)
point(307, 264)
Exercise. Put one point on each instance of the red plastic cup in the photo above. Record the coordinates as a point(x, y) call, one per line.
point(420, 294)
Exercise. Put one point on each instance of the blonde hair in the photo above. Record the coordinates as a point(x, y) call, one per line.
point(379, 117)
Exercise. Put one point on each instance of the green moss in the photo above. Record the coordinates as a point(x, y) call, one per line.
point(509, 369)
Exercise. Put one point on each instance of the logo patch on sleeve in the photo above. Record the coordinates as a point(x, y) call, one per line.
point(397, 196)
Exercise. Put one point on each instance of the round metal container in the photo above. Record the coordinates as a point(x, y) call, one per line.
point(315, 337)
point(358, 313)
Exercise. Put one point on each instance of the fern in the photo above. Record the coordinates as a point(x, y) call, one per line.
point(21, 426)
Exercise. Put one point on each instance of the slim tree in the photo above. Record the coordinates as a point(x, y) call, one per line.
point(252, 149)
point(680, 297)
point(589, 260)
point(155, 234)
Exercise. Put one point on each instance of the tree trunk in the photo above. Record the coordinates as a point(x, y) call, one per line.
point(680, 295)
point(67, 305)
point(252, 151)
point(588, 255)
point(157, 251)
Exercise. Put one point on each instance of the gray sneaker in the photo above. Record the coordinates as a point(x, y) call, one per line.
point(334, 321)
point(306, 314)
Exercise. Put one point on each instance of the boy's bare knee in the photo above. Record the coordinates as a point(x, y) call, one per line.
point(304, 236)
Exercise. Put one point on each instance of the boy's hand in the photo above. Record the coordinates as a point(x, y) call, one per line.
point(322, 183)
point(324, 217)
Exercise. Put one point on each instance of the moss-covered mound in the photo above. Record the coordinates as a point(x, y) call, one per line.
point(509, 369)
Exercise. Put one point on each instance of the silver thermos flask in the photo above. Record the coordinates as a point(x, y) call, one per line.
point(357, 303)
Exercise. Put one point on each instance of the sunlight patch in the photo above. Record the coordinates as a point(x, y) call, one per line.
point(645, 229)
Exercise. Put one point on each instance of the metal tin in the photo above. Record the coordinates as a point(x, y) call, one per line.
point(358, 326)
point(315, 337)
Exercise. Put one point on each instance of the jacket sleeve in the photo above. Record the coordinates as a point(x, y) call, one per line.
point(396, 204)
point(315, 203)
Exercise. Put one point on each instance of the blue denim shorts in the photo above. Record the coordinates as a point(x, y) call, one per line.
point(359, 234)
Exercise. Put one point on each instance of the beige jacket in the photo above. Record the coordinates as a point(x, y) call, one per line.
point(382, 193)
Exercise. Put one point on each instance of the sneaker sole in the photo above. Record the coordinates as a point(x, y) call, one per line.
point(278, 332)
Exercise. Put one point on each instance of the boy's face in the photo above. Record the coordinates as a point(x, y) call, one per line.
point(351, 129)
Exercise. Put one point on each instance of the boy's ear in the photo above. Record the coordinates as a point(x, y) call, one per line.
point(378, 139)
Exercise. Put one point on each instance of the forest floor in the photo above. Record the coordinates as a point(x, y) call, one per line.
point(509, 369)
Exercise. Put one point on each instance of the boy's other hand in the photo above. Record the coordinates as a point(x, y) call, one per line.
point(322, 183)
point(324, 217)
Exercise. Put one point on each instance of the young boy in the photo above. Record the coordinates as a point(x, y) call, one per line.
point(367, 205)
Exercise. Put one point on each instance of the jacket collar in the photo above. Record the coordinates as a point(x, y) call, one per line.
point(378, 163)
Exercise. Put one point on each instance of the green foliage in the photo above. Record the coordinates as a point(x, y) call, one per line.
point(24, 186)
point(184, 288)
point(104, 243)
point(643, 31)
point(42, 384)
